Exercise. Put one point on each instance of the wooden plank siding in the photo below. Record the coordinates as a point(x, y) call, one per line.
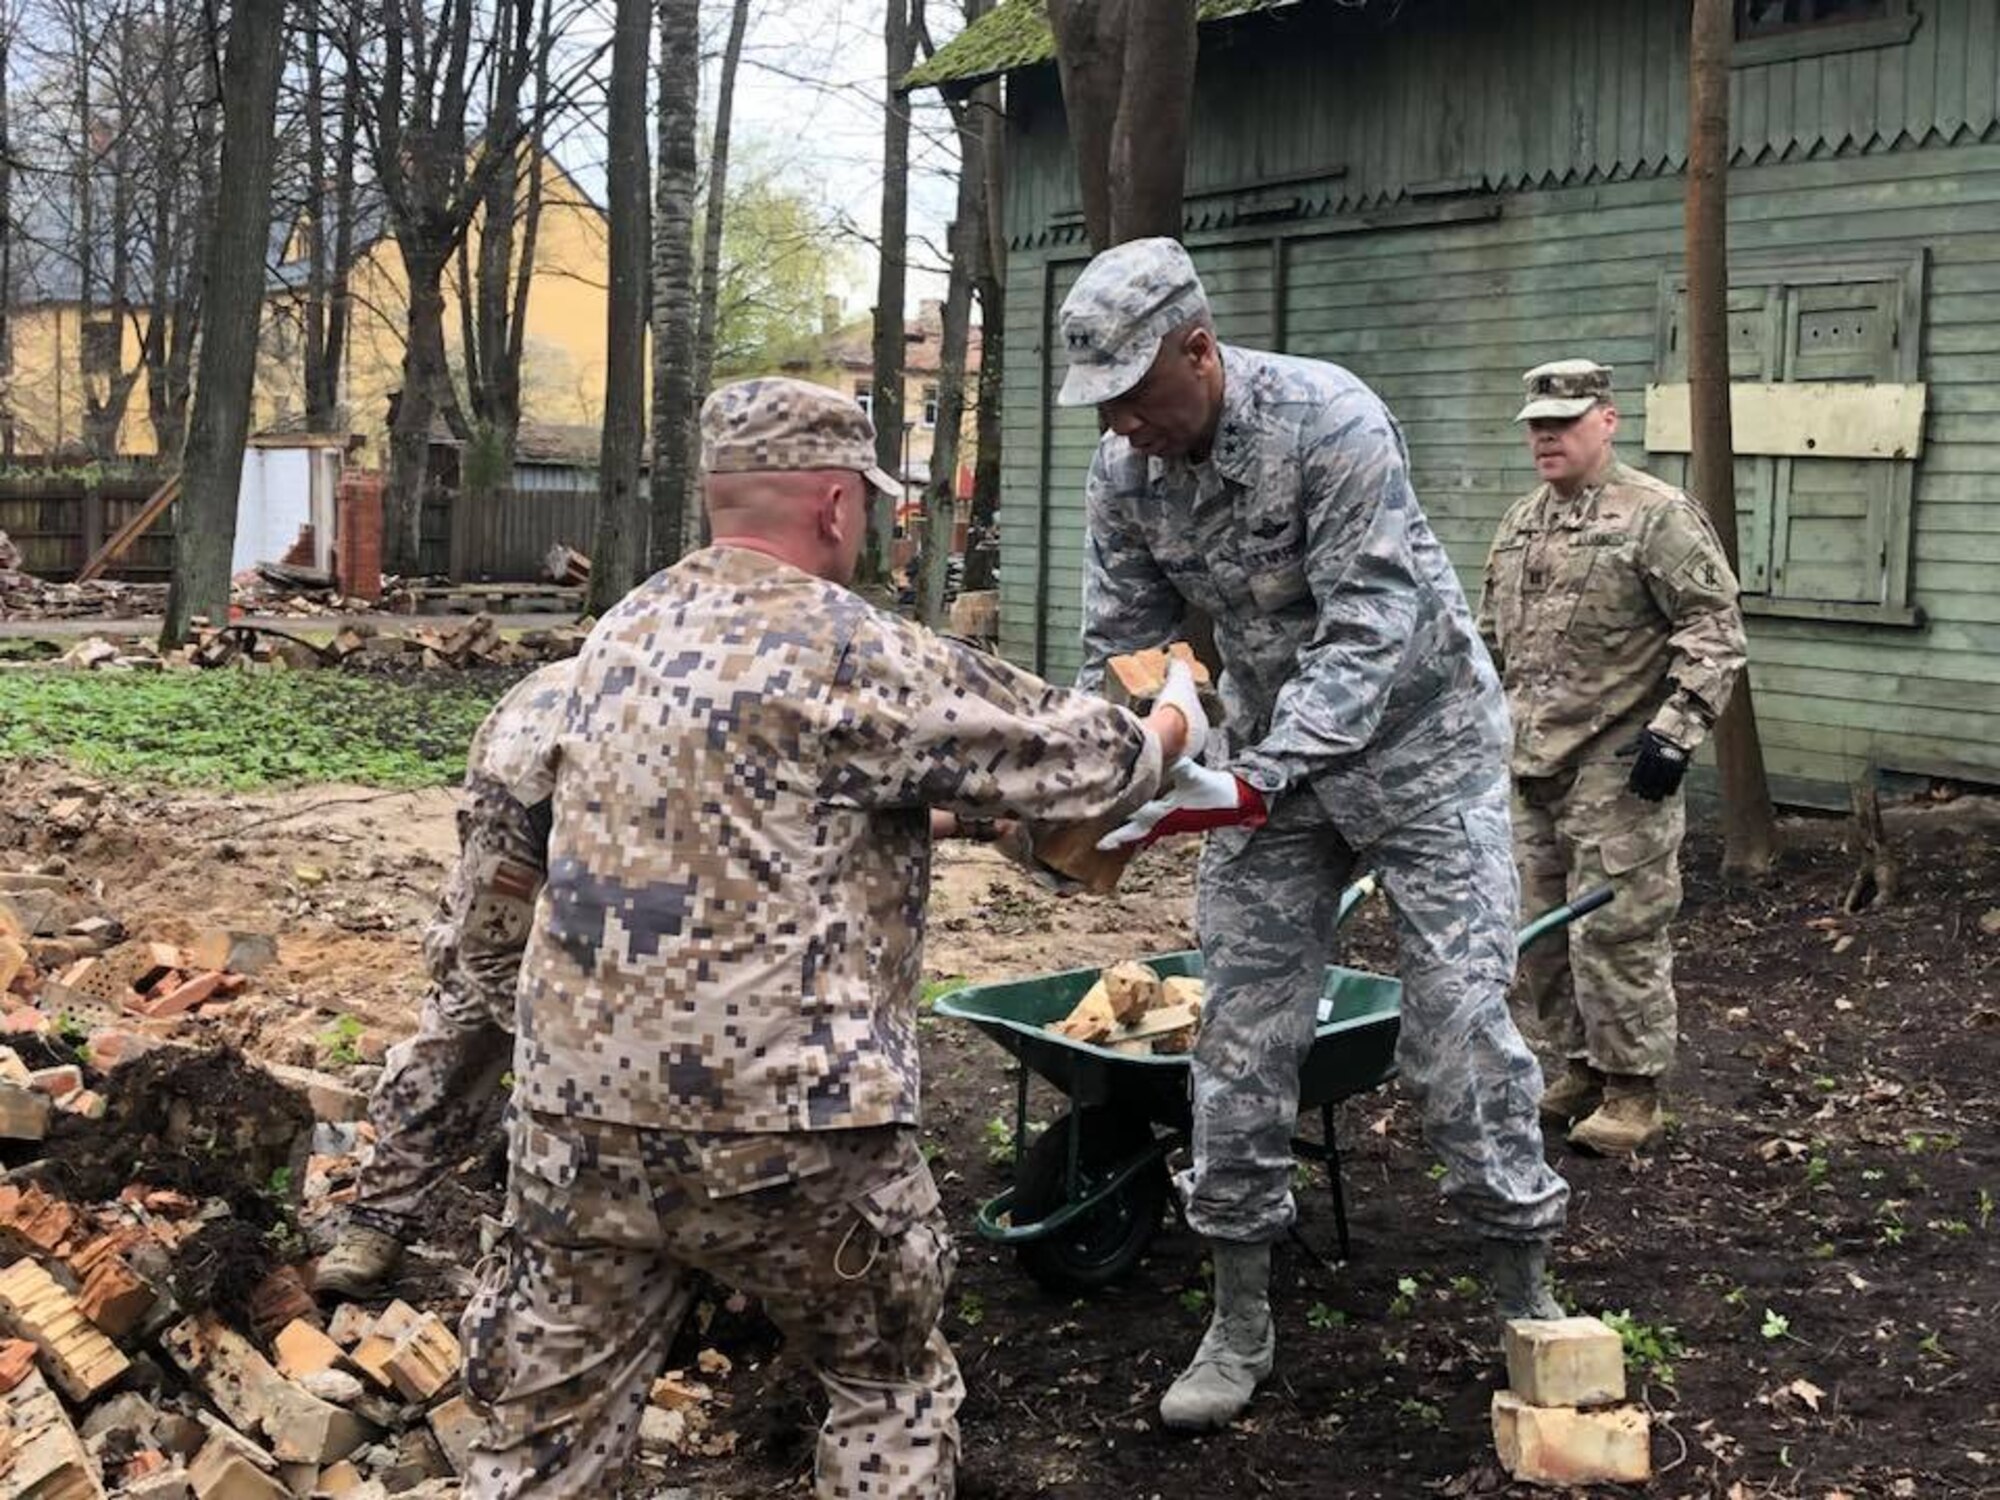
point(1885, 153)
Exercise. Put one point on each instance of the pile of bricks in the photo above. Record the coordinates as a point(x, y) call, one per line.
point(474, 642)
point(1563, 1419)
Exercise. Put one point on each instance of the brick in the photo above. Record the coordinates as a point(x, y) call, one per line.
point(128, 1416)
point(57, 1083)
point(45, 1459)
point(302, 1350)
point(280, 1299)
point(455, 1424)
point(13, 961)
point(299, 1427)
point(219, 1472)
point(424, 1360)
point(33, 1221)
point(29, 1022)
point(337, 1386)
point(115, 1297)
point(87, 1103)
point(338, 1480)
point(17, 1358)
point(24, 1113)
point(12, 1069)
point(1560, 1445)
point(236, 952)
point(110, 1047)
point(75, 1352)
point(332, 1100)
point(299, 1479)
point(372, 1354)
point(185, 996)
point(1564, 1362)
point(168, 1484)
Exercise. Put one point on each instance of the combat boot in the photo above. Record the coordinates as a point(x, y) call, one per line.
point(1579, 1091)
point(1238, 1349)
point(1627, 1121)
point(1517, 1271)
point(361, 1259)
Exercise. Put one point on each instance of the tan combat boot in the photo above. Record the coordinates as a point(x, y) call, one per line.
point(1239, 1348)
point(1626, 1122)
point(359, 1262)
point(1579, 1091)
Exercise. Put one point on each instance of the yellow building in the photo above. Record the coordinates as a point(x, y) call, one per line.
point(57, 362)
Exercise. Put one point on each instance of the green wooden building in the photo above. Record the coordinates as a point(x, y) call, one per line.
point(1439, 194)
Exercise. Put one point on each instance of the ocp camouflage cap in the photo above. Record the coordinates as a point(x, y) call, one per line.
point(1126, 301)
point(775, 423)
point(1563, 389)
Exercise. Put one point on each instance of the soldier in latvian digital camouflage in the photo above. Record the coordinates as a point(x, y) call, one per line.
point(1614, 616)
point(717, 1056)
point(437, 1085)
point(1364, 724)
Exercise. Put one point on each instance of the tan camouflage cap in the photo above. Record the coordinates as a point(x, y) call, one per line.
point(1125, 302)
point(774, 422)
point(1563, 389)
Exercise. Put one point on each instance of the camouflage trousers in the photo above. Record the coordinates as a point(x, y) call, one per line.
point(427, 1107)
point(1265, 911)
point(1603, 989)
point(838, 1234)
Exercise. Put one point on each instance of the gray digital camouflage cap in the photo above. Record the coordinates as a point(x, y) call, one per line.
point(1564, 389)
point(1125, 302)
point(774, 422)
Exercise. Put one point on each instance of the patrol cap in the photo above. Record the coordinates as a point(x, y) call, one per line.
point(774, 422)
point(1564, 388)
point(1126, 301)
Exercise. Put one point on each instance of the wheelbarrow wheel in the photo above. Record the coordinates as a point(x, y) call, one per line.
point(1102, 1244)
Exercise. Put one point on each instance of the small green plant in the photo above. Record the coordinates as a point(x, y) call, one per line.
point(1325, 1318)
point(933, 988)
point(1422, 1413)
point(1736, 1296)
point(74, 1033)
point(341, 1042)
point(1436, 1171)
point(507, 1080)
point(1985, 1209)
point(280, 1184)
point(1948, 1226)
point(1651, 1349)
point(1818, 1169)
point(1405, 1299)
point(1871, 1174)
point(1825, 1084)
point(1824, 1250)
point(1776, 1325)
point(1466, 1287)
point(1890, 1228)
point(1195, 1299)
point(1932, 1343)
point(972, 1309)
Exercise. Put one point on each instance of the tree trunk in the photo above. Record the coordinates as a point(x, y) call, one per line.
point(416, 405)
point(900, 45)
point(718, 197)
point(1749, 827)
point(205, 529)
point(990, 283)
point(620, 505)
point(941, 495)
point(675, 496)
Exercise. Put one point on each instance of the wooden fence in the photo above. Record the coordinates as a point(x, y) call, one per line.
point(503, 536)
point(59, 520)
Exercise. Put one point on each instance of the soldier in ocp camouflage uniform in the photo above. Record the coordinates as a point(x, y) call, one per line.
point(437, 1084)
point(1363, 716)
point(717, 1057)
point(1614, 616)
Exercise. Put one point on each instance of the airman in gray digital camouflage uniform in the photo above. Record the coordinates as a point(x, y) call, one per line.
point(716, 1060)
point(1613, 613)
point(434, 1091)
point(1363, 716)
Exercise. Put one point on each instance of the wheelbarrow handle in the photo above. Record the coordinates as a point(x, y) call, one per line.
point(1562, 916)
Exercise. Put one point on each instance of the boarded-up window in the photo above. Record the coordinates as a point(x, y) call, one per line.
point(1818, 531)
point(1755, 18)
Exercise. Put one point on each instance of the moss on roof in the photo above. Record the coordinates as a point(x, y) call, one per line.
point(1015, 34)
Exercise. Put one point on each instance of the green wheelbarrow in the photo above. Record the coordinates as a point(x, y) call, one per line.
point(1090, 1192)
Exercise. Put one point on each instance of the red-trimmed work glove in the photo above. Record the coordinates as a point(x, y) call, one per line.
point(1197, 799)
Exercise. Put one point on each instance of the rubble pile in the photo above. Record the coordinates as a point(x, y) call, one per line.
point(476, 642)
point(159, 1336)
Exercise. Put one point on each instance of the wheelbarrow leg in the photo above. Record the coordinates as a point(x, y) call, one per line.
point(1333, 1178)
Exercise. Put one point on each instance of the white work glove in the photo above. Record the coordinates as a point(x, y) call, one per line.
point(1181, 693)
point(1197, 799)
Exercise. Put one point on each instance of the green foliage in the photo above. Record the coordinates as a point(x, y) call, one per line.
point(72, 1031)
point(242, 731)
point(1405, 1299)
point(999, 1141)
point(1776, 1325)
point(1649, 1348)
point(933, 988)
point(1016, 33)
point(1195, 1300)
point(339, 1043)
point(971, 1309)
point(280, 1185)
point(1325, 1318)
point(782, 257)
point(1985, 1207)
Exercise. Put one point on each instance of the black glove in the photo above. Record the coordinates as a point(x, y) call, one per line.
point(1657, 767)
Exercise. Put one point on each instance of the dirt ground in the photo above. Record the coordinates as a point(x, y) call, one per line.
point(1811, 1256)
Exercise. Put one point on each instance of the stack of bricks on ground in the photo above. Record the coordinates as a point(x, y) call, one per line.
point(1563, 1419)
point(476, 642)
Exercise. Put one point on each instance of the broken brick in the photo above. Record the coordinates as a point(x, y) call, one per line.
point(109, 1047)
point(1559, 1445)
point(219, 1472)
point(57, 1083)
point(1564, 1361)
point(115, 1297)
point(424, 1360)
point(77, 1355)
point(300, 1427)
point(280, 1299)
point(12, 1069)
point(34, 1221)
point(350, 1324)
point(27, 1022)
point(44, 1457)
point(185, 996)
point(24, 1113)
point(371, 1355)
point(17, 1358)
point(455, 1424)
point(13, 961)
point(87, 1103)
point(235, 952)
point(303, 1350)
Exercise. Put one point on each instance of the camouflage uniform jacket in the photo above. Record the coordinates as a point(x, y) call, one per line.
point(1350, 663)
point(474, 942)
point(731, 936)
point(1609, 614)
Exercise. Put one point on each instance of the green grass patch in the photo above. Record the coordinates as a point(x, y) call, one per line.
point(243, 731)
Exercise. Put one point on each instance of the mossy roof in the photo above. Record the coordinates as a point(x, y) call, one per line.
point(1015, 34)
